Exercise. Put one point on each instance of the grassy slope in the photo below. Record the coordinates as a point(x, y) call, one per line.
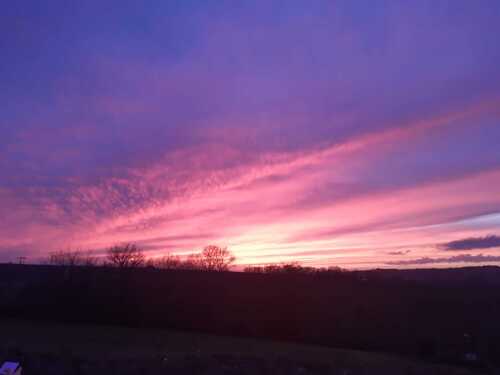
point(98, 342)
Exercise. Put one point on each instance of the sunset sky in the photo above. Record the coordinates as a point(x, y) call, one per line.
point(358, 134)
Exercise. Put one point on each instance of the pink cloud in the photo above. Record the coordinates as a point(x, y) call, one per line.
point(265, 205)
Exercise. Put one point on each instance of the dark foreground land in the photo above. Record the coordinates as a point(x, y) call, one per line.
point(57, 349)
point(438, 316)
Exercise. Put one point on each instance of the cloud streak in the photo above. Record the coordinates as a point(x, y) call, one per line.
point(472, 243)
point(402, 252)
point(465, 258)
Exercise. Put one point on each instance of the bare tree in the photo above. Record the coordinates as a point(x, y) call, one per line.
point(215, 258)
point(72, 258)
point(125, 256)
point(89, 259)
point(62, 258)
point(193, 262)
point(166, 262)
point(212, 258)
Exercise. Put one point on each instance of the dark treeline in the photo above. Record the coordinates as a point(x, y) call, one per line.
point(129, 255)
point(448, 315)
point(211, 258)
point(376, 311)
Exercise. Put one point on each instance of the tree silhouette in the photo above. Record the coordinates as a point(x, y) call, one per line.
point(72, 258)
point(166, 262)
point(125, 256)
point(254, 269)
point(215, 258)
point(193, 262)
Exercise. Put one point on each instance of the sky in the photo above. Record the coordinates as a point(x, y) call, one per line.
point(357, 134)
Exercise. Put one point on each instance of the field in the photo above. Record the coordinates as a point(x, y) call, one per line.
point(245, 323)
point(52, 348)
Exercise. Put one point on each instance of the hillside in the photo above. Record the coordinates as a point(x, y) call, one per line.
point(434, 321)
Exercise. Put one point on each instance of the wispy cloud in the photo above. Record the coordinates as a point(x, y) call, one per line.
point(402, 252)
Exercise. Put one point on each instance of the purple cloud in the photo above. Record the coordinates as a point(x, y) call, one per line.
point(472, 243)
point(465, 258)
